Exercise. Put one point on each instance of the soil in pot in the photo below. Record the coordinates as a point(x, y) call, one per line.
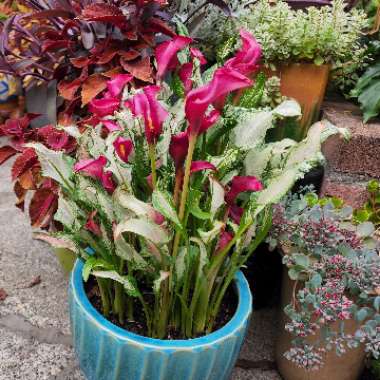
point(137, 325)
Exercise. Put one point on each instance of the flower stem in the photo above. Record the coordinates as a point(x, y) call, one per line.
point(185, 190)
point(152, 156)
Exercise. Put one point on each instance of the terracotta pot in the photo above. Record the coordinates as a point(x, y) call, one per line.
point(306, 83)
point(345, 367)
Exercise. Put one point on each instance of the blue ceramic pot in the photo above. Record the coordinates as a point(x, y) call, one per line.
point(108, 352)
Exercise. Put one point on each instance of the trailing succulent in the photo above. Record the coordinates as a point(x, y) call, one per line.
point(335, 267)
point(173, 187)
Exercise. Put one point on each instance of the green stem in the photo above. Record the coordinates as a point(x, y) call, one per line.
point(185, 191)
point(119, 302)
point(152, 156)
point(104, 297)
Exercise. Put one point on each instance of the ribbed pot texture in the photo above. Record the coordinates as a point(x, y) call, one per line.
point(108, 352)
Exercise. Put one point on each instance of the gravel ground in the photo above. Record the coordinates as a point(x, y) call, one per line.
point(34, 326)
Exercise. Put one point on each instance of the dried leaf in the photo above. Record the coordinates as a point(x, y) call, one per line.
point(68, 89)
point(42, 207)
point(34, 282)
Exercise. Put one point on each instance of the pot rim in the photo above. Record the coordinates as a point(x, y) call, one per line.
point(241, 316)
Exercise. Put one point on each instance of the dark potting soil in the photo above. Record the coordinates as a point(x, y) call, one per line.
point(368, 375)
point(264, 273)
point(138, 325)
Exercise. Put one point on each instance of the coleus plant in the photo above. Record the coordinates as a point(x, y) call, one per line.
point(335, 267)
point(82, 44)
point(170, 215)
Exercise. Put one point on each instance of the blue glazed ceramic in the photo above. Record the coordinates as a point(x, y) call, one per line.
point(108, 352)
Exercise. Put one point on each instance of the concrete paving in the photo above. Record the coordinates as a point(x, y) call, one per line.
point(35, 339)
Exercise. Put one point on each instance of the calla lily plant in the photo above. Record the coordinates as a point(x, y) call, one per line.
point(172, 190)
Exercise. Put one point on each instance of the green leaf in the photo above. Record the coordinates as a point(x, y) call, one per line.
point(365, 229)
point(217, 195)
point(194, 199)
point(127, 252)
point(177, 86)
point(69, 214)
point(180, 263)
point(301, 260)
point(144, 228)
point(376, 303)
point(158, 281)
point(203, 258)
point(92, 263)
point(208, 236)
point(55, 165)
point(128, 282)
point(163, 203)
point(288, 108)
point(56, 241)
point(316, 280)
point(252, 96)
point(131, 203)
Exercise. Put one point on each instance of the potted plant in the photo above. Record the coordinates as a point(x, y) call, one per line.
point(330, 291)
point(169, 206)
point(299, 45)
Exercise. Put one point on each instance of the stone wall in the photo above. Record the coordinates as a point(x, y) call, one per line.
point(350, 165)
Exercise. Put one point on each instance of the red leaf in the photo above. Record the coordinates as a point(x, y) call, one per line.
point(140, 69)
point(106, 56)
point(42, 207)
point(20, 194)
point(25, 161)
point(129, 55)
point(157, 25)
point(93, 86)
point(55, 45)
point(80, 62)
point(103, 13)
point(29, 180)
point(6, 152)
point(68, 89)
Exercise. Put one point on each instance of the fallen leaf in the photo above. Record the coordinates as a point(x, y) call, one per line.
point(34, 282)
point(3, 294)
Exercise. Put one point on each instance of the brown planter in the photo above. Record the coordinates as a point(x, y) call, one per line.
point(345, 367)
point(306, 83)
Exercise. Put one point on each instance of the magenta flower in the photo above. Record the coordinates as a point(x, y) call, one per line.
point(224, 81)
point(95, 169)
point(166, 54)
point(247, 58)
point(209, 120)
point(92, 226)
point(104, 107)
point(197, 166)
point(224, 239)
point(108, 182)
point(116, 85)
point(241, 184)
point(236, 213)
point(196, 53)
point(111, 126)
point(123, 148)
point(146, 105)
point(92, 167)
point(179, 145)
point(185, 73)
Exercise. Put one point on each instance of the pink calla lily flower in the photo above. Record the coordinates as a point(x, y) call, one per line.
point(104, 107)
point(247, 58)
point(179, 145)
point(92, 167)
point(111, 126)
point(92, 226)
point(209, 120)
point(154, 114)
point(197, 166)
point(166, 54)
point(116, 85)
point(236, 213)
point(185, 73)
point(123, 147)
point(196, 53)
point(108, 182)
point(224, 81)
point(241, 184)
point(225, 238)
